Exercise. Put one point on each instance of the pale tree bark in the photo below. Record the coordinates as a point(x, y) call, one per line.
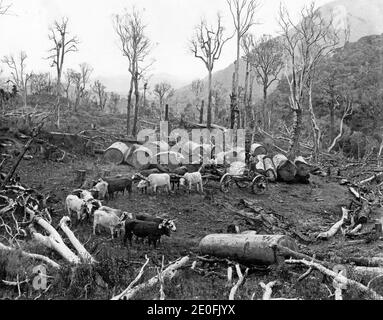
point(243, 14)
point(317, 134)
point(347, 112)
point(20, 77)
point(136, 47)
point(62, 45)
point(207, 45)
point(305, 45)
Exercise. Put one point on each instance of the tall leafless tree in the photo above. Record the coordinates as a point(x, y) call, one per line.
point(100, 91)
point(63, 44)
point(305, 45)
point(19, 75)
point(207, 45)
point(80, 81)
point(136, 46)
point(268, 63)
point(243, 14)
point(163, 91)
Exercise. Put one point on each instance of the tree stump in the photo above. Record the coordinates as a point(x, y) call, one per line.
point(80, 177)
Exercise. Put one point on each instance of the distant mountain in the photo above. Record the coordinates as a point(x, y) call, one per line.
point(363, 16)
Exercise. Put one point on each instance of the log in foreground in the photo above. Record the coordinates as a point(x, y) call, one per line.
point(82, 252)
point(246, 248)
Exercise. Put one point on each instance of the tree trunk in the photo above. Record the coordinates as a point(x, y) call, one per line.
point(245, 113)
point(201, 111)
point(249, 111)
point(316, 130)
point(137, 96)
point(167, 112)
point(264, 113)
point(246, 248)
point(209, 117)
point(128, 107)
point(332, 122)
point(294, 150)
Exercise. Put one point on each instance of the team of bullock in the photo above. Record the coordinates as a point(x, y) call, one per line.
point(88, 204)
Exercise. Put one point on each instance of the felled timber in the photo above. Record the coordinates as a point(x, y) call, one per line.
point(270, 171)
point(303, 169)
point(286, 170)
point(257, 149)
point(246, 248)
point(116, 153)
point(364, 213)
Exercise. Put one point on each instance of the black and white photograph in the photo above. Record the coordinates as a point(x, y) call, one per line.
point(192, 155)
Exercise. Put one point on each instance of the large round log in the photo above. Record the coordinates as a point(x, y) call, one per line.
point(257, 149)
point(116, 153)
point(303, 169)
point(286, 170)
point(245, 248)
point(270, 171)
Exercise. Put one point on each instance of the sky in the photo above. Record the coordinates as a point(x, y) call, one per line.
point(170, 25)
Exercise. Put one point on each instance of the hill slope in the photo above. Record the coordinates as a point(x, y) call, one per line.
point(363, 17)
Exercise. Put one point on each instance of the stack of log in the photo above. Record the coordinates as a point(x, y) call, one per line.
point(279, 167)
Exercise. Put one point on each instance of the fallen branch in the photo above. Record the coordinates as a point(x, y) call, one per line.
point(168, 273)
point(268, 289)
point(54, 241)
point(339, 277)
point(335, 228)
point(83, 253)
point(241, 278)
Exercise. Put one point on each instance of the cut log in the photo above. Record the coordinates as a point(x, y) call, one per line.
point(257, 149)
point(286, 170)
point(363, 214)
point(116, 153)
point(246, 248)
point(270, 171)
point(303, 169)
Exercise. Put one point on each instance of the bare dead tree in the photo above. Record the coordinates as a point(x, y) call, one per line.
point(63, 44)
point(247, 45)
point(136, 46)
point(305, 45)
point(100, 91)
point(198, 88)
point(20, 77)
point(243, 14)
point(164, 92)
point(206, 45)
point(267, 60)
point(80, 81)
point(113, 102)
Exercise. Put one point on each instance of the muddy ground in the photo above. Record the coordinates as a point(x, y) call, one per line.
point(304, 209)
